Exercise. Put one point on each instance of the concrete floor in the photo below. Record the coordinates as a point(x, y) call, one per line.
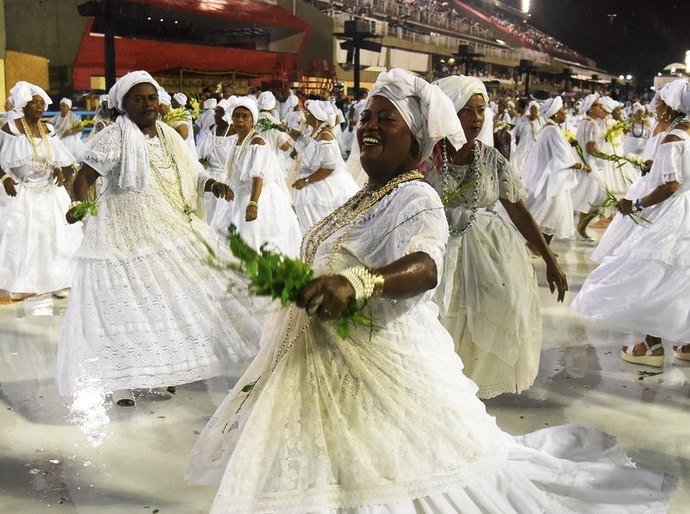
point(87, 456)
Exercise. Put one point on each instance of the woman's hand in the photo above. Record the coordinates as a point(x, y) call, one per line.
point(625, 206)
point(556, 279)
point(69, 216)
point(251, 212)
point(327, 296)
point(299, 183)
point(9, 186)
point(59, 177)
point(221, 190)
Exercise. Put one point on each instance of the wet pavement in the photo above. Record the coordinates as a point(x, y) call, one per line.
point(85, 455)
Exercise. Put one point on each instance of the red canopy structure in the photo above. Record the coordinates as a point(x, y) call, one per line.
point(201, 35)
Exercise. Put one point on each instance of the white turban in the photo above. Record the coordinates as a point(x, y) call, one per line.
point(533, 103)
point(637, 107)
point(211, 103)
point(180, 98)
point(266, 101)
point(460, 88)
point(102, 98)
point(608, 103)
point(675, 95)
point(551, 107)
point(67, 102)
point(322, 111)
point(242, 101)
point(588, 102)
point(116, 95)
point(23, 92)
point(292, 101)
point(427, 111)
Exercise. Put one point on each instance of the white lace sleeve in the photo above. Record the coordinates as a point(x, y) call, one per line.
point(103, 152)
point(329, 154)
point(420, 224)
point(509, 181)
point(670, 161)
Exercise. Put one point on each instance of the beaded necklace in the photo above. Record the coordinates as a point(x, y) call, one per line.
point(472, 174)
point(677, 121)
point(350, 213)
point(167, 162)
point(318, 131)
point(42, 165)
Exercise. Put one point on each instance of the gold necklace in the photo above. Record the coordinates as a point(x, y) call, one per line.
point(167, 157)
point(28, 133)
point(318, 131)
point(235, 156)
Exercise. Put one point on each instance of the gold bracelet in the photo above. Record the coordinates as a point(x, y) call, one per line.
point(252, 202)
point(306, 181)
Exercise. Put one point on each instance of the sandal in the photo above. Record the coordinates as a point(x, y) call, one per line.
point(682, 352)
point(648, 359)
point(123, 398)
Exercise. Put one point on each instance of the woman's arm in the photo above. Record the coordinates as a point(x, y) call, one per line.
point(525, 223)
point(320, 174)
point(252, 210)
point(658, 195)
point(409, 276)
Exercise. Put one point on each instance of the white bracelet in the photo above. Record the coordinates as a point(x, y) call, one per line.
point(4, 177)
point(365, 284)
point(252, 202)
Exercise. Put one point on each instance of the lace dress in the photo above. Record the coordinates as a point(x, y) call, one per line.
point(549, 178)
point(215, 150)
point(318, 199)
point(644, 284)
point(385, 422)
point(146, 310)
point(488, 296)
point(276, 223)
point(36, 243)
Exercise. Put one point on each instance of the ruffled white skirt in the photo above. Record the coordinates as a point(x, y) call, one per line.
point(37, 244)
point(488, 301)
point(386, 423)
point(154, 318)
point(318, 199)
point(554, 215)
point(643, 285)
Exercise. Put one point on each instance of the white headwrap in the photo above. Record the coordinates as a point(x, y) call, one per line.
point(322, 111)
point(266, 101)
point(427, 111)
point(242, 101)
point(460, 88)
point(673, 94)
point(637, 107)
point(292, 101)
point(588, 102)
point(66, 101)
point(23, 92)
point(102, 98)
point(551, 107)
point(134, 162)
point(211, 103)
point(533, 103)
point(164, 98)
point(608, 103)
point(180, 98)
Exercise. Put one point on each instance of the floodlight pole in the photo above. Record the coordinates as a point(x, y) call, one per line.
point(109, 43)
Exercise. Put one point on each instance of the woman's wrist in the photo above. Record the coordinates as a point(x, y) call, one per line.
point(4, 177)
point(253, 203)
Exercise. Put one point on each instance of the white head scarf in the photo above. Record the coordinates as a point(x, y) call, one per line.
point(292, 101)
point(242, 101)
point(608, 103)
point(322, 111)
point(460, 88)
point(588, 102)
point(67, 102)
point(102, 98)
point(180, 98)
point(637, 107)
point(673, 93)
point(533, 103)
point(427, 111)
point(22, 93)
point(164, 98)
point(551, 107)
point(266, 101)
point(134, 162)
point(211, 103)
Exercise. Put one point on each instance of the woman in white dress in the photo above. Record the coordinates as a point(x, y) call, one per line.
point(549, 175)
point(36, 243)
point(324, 182)
point(214, 150)
point(488, 297)
point(68, 128)
point(644, 285)
point(590, 189)
point(146, 311)
point(261, 210)
point(617, 177)
point(385, 422)
point(525, 135)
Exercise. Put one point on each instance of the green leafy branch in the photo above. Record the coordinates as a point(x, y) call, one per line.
point(610, 203)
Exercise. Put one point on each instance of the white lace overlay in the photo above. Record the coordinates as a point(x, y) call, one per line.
point(146, 310)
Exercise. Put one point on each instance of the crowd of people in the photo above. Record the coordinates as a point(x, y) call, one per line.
point(419, 204)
